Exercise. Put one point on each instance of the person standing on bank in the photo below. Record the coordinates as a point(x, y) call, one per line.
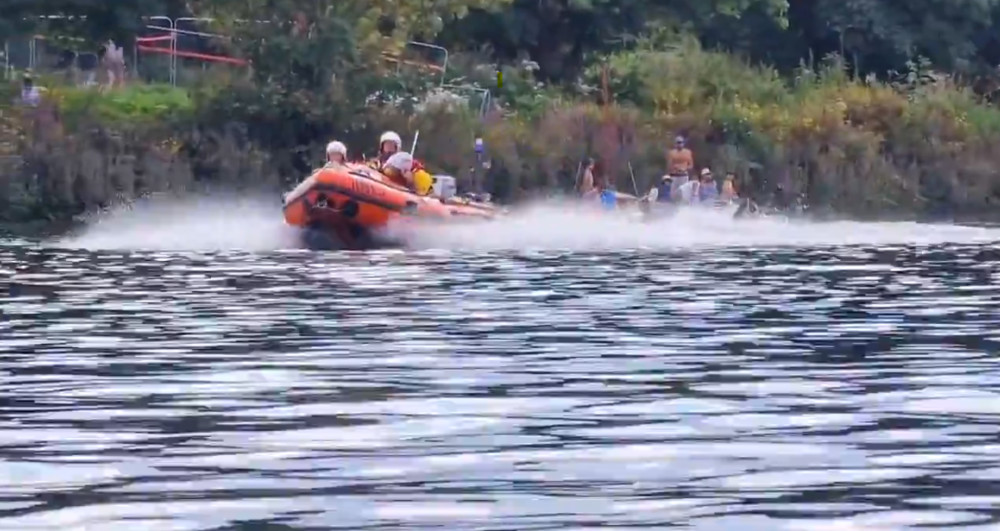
point(586, 185)
point(113, 60)
point(30, 93)
point(728, 193)
point(680, 162)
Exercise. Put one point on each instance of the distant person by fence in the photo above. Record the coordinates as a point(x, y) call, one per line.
point(37, 109)
point(113, 62)
point(31, 94)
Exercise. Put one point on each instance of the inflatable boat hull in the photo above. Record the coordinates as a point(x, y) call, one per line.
point(350, 206)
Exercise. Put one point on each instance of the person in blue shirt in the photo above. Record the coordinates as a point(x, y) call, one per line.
point(609, 198)
point(663, 189)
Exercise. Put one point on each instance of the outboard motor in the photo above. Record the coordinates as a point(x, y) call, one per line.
point(445, 186)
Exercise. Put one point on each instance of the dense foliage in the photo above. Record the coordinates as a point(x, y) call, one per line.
point(876, 36)
point(90, 20)
point(868, 106)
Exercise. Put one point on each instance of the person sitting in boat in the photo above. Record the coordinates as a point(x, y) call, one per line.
point(663, 190)
point(780, 200)
point(402, 169)
point(609, 196)
point(687, 193)
point(336, 153)
point(708, 192)
point(388, 145)
point(728, 193)
point(423, 182)
point(586, 185)
point(399, 169)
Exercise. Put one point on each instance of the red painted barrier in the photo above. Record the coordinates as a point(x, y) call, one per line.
point(193, 55)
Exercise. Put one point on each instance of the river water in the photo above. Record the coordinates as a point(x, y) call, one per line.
point(708, 383)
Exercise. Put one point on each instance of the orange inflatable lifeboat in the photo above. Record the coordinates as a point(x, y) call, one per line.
point(346, 205)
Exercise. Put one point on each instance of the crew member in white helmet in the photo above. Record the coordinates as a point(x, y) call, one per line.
point(399, 169)
point(388, 144)
point(336, 153)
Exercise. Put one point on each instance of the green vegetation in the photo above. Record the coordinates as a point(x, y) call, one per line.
point(134, 105)
point(867, 114)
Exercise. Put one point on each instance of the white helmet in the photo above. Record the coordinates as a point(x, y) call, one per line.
point(391, 136)
point(400, 160)
point(336, 147)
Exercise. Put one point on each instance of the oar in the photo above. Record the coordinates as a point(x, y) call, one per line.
point(632, 174)
point(413, 148)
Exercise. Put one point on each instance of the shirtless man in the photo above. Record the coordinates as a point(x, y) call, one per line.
point(586, 185)
point(680, 162)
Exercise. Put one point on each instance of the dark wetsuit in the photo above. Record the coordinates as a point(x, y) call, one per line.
point(781, 199)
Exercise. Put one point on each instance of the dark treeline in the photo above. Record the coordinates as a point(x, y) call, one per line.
point(877, 37)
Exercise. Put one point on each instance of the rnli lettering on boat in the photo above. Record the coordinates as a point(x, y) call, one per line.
point(366, 188)
point(364, 185)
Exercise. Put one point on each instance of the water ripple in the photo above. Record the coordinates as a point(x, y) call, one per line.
point(839, 388)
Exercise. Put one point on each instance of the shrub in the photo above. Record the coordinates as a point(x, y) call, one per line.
point(131, 105)
point(861, 147)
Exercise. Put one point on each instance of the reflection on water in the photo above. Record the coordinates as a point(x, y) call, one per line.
point(842, 388)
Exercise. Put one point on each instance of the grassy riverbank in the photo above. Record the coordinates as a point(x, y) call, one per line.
point(919, 145)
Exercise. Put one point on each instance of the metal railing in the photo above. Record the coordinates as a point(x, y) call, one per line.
point(485, 96)
point(171, 33)
point(443, 67)
point(28, 53)
point(32, 58)
point(166, 32)
point(173, 45)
